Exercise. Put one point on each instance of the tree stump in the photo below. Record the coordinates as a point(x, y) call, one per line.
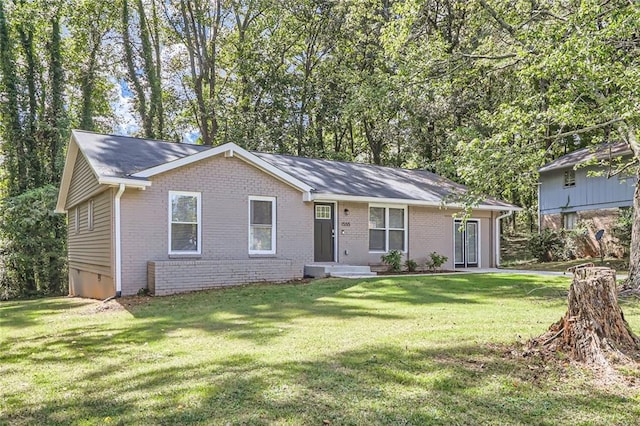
point(593, 330)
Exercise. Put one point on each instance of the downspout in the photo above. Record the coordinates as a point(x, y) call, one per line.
point(498, 236)
point(118, 248)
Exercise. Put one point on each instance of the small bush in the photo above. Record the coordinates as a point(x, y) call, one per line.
point(411, 265)
point(622, 229)
point(393, 259)
point(435, 261)
point(546, 245)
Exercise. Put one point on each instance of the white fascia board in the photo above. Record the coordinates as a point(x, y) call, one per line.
point(184, 161)
point(271, 169)
point(130, 183)
point(229, 150)
point(67, 171)
point(375, 200)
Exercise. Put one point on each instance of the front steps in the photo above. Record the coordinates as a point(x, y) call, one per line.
point(322, 270)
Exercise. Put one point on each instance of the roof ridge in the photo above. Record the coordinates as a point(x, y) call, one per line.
point(139, 138)
point(328, 160)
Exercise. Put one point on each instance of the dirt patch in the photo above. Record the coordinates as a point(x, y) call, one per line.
point(103, 307)
point(132, 301)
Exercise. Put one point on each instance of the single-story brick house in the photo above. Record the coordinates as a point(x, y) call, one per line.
point(175, 217)
point(574, 190)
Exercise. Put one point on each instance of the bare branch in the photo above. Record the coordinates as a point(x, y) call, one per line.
point(505, 26)
point(496, 57)
point(585, 129)
point(631, 163)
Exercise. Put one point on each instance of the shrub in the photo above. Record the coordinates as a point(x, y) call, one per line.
point(411, 265)
point(435, 261)
point(33, 244)
point(546, 245)
point(393, 259)
point(622, 229)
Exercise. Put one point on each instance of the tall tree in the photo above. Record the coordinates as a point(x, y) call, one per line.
point(144, 72)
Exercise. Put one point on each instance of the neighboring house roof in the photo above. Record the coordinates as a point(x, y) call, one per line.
point(132, 161)
point(602, 152)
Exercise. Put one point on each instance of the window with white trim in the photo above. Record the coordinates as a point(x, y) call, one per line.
point(569, 220)
point(185, 221)
point(262, 225)
point(387, 228)
point(569, 178)
point(90, 215)
point(76, 216)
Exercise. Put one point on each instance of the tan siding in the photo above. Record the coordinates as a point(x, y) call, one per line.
point(83, 182)
point(225, 185)
point(90, 250)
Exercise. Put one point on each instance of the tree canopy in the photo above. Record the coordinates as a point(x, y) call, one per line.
point(481, 91)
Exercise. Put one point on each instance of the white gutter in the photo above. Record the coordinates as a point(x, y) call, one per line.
point(498, 235)
point(118, 248)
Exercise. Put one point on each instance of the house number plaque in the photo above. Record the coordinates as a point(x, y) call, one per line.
point(345, 224)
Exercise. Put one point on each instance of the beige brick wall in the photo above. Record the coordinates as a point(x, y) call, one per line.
point(225, 184)
point(169, 277)
point(430, 229)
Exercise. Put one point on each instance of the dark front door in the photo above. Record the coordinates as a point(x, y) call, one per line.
point(323, 232)
point(466, 244)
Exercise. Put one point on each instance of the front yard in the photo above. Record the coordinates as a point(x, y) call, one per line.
point(410, 350)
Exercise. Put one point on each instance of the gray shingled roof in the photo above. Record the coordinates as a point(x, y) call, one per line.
point(368, 180)
point(586, 154)
point(122, 156)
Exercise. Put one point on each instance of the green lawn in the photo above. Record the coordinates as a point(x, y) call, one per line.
point(410, 350)
point(620, 265)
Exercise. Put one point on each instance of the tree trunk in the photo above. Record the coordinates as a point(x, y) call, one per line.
point(634, 256)
point(593, 330)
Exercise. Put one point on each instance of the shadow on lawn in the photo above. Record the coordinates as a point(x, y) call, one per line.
point(260, 313)
point(254, 313)
point(25, 313)
point(466, 384)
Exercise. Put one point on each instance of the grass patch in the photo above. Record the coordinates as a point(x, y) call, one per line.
point(408, 350)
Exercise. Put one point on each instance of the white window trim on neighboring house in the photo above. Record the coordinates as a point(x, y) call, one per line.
point(569, 178)
point(569, 220)
point(198, 222)
point(387, 228)
point(273, 225)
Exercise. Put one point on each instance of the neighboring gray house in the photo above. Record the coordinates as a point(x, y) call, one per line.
point(568, 195)
point(176, 217)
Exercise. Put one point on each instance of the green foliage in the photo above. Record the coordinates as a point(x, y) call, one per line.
point(545, 245)
point(435, 261)
point(411, 265)
point(33, 245)
point(622, 229)
point(393, 259)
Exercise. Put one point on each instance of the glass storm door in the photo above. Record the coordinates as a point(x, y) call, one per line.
point(466, 244)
